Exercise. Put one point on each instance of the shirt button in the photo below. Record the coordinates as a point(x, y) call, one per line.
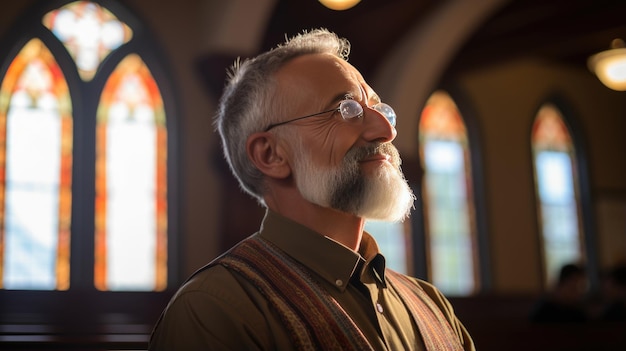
point(339, 282)
point(379, 308)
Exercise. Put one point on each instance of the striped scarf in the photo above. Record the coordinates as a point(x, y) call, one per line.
point(313, 318)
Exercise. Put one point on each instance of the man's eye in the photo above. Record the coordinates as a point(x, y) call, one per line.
point(350, 109)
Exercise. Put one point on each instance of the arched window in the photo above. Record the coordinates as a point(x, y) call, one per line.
point(130, 205)
point(85, 168)
point(557, 191)
point(131, 187)
point(35, 163)
point(449, 211)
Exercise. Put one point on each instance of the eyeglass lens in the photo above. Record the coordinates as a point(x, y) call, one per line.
point(351, 109)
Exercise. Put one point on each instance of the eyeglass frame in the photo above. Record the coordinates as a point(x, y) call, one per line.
point(336, 109)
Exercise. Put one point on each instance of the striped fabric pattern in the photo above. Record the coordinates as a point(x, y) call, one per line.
point(435, 329)
point(314, 319)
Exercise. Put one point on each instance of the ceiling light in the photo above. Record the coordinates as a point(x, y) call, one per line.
point(339, 5)
point(610, 66)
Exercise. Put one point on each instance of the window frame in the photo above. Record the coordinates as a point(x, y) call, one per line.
point(83, 308)
point(481, 254)
point(581, 174)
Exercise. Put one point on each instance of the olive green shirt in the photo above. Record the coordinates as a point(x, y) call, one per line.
point(217, 309)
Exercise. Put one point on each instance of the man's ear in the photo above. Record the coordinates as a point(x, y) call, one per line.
point(267, 155)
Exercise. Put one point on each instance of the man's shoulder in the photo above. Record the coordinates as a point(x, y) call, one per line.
point(215, 287)
point(213, 275)
point(208, 277)
point(213, 307)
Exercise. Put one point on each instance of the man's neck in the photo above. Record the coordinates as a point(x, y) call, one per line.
point(342, 227)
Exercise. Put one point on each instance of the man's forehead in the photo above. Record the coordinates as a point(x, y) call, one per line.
point(324, 69)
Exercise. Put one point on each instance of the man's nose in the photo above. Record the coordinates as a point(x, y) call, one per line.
point(377, 126)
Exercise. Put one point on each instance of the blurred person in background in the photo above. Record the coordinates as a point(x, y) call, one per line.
point(565, 303)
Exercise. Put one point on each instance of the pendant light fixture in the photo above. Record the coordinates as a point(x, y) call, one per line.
point(610, 66)
point(339, 5)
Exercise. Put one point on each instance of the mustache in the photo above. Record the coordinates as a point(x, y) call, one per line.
point(358, 154)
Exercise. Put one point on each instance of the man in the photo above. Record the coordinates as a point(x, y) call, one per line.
point(311, 141)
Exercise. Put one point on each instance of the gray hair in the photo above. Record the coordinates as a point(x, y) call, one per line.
point(250, 99)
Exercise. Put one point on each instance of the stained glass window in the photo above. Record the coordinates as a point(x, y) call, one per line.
point(89, 32)
point(557, 191)
point(35, 163)
point(131, 221)
point(447, 196)
point(122, 221)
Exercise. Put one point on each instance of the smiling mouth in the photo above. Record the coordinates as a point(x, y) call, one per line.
point(377, 158)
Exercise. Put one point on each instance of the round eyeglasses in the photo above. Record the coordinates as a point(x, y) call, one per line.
point(349, 109)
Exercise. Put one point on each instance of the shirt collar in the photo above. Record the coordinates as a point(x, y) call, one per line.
point(328, 258)
point(375, 261)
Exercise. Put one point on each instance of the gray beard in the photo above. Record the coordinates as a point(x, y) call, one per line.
point(384, 195)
